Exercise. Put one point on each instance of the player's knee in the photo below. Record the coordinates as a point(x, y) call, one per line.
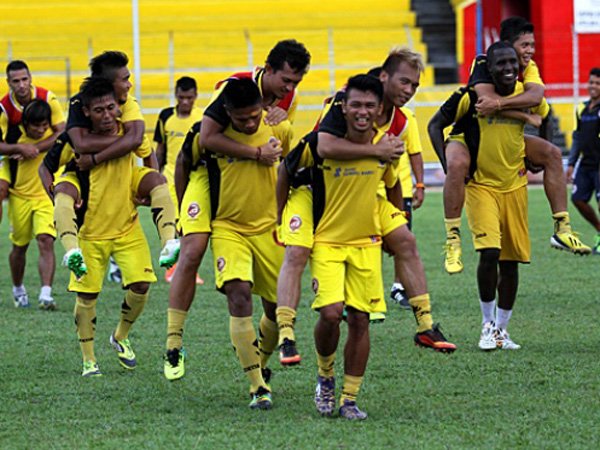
point(192, 252)
point(402, 243)
point(458, 160)
point(140, 287)
point(358, 320)
point(332, 314)
point(3, 190)
point(67, 189)
point(19, 250)
point(296, 258)
point(489, 256)
point(45, 242)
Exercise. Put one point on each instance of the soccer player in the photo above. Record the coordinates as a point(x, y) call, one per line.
point(95, 149)
point(519, 33)
point(496, 195)
point(246, 254)
point(29, 209)
point(192, 188)
point(400, 78)
point(346, 256)
point(586, 143)
point(108, 228)
point(171, 128)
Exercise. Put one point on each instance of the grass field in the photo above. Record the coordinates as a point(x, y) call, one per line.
point(542, 396)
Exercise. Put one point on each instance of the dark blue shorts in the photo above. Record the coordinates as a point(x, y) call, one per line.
point(586, 182)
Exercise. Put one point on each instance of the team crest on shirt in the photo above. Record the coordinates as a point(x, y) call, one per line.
point(295, 223)
point(315, 285)
point(522, 172)
point(193, 210)
point(220, 263)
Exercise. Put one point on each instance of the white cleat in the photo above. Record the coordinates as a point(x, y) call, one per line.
point(487, 340)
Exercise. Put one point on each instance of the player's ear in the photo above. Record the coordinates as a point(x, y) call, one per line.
point(383, 76)
point(268, 68)
point(86, 111)
point(344, 107)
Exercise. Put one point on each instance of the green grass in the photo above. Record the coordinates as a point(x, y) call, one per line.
point(543, 396)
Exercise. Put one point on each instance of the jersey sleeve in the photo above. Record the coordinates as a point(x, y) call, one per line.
point(159, 130)
point(216, 107)
point(76, 118)
point(479, 71)
point(531, 74)
point(190, 147)
point(131, 110)
point(55, 158)
point(390, 176)
point(333, 121)
point(412, 139)
point(300, 157)
point(57, 114)
point(144, 150)
point(451, 106)
point(3, 126)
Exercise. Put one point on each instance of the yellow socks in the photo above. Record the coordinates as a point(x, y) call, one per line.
point(350, 388)
point(452, 228)
point(325, 365)
point(163, 212)
point(286, 318)
point(85, 321)
point(131, 308)
point(243, 338)
point(268, 333)
point(175, 320)
point(422, 310)
point(562, 222)
point(65, 221)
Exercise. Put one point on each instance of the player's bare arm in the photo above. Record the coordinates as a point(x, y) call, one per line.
point(275, 115)
point(416, 165)
point(435, 129)
point(160, 155)
point(387, 149)
point(46, 144)
point(490, 102)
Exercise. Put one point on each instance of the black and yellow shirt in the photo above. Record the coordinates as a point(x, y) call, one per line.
point(130, 112)
point(481, 74)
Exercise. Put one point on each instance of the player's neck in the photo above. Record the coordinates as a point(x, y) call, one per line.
point(594, 102)
point(180, 114)
point(360, 137)
point(386, 113)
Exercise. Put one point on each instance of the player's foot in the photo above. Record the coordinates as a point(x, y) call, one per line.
point(453, 251)
point(266, 374)
point(434, 339)
point(114, 272)
point(288, 354)
point(169, 254)
point(569, 242)
point(73, 260)
point(169, 273)
point(91, 369)
point(487, 341)
point(21, 300)
point(199, 280)
point(47, 304)
point(596, 249)
point(261, 399)
point(504, 342)
point(376, 317)
point(174, 367)
point(350, 411)
point(325, 395)
point(398, 296)
point(124, 352)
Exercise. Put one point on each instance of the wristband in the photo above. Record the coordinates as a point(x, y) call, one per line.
point(258, 153)
point(94, 159)
point(420, 185)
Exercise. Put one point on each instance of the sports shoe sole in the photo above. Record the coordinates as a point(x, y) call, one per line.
point(558, 245)
point(290, 360)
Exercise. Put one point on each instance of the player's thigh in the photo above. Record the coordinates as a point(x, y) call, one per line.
point(539, 151)
point(483, 214)
point(195, 209)
point(43, 217)
point(68, 183)
point(364, 284)
point(328, 269)
point(192, 247)
point(515, 244)
point(268, 257)
point(20, 215)
point(96, 255)
point(390, 217)
point(458, 157)
point(232, 257)
point(297, 219)
point(132, 254)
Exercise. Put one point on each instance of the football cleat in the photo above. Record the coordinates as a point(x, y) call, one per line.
point(325, 395)
point(288, 354)
point(398, 296)
point(73, 260)
point(453, 254)
point(174, 367)
point(169, 254)
point(261, 399)
point(266, 374)
point(169, 273)
point(503, 340)
point(569, 242)
point(21, 300)
point(487, 340)
point(596, 249)
point(47, 304)
point(434, 339)
point(91, 369)
point(124, 352)
point(350, 411)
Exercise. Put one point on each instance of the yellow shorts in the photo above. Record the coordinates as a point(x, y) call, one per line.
point(390, 217)
point(30, 218)
point(173, 194)
point(137, 174)
point(131, 252)
point(297, 220)
point(195, 206)
point(348, 274)
point(499, 220)
point(4, 169)
point(69, 177)
point(256, 259)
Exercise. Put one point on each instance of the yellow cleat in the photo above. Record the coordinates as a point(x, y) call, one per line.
point(570, 242)
point(174, 367)
point(453, 252)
